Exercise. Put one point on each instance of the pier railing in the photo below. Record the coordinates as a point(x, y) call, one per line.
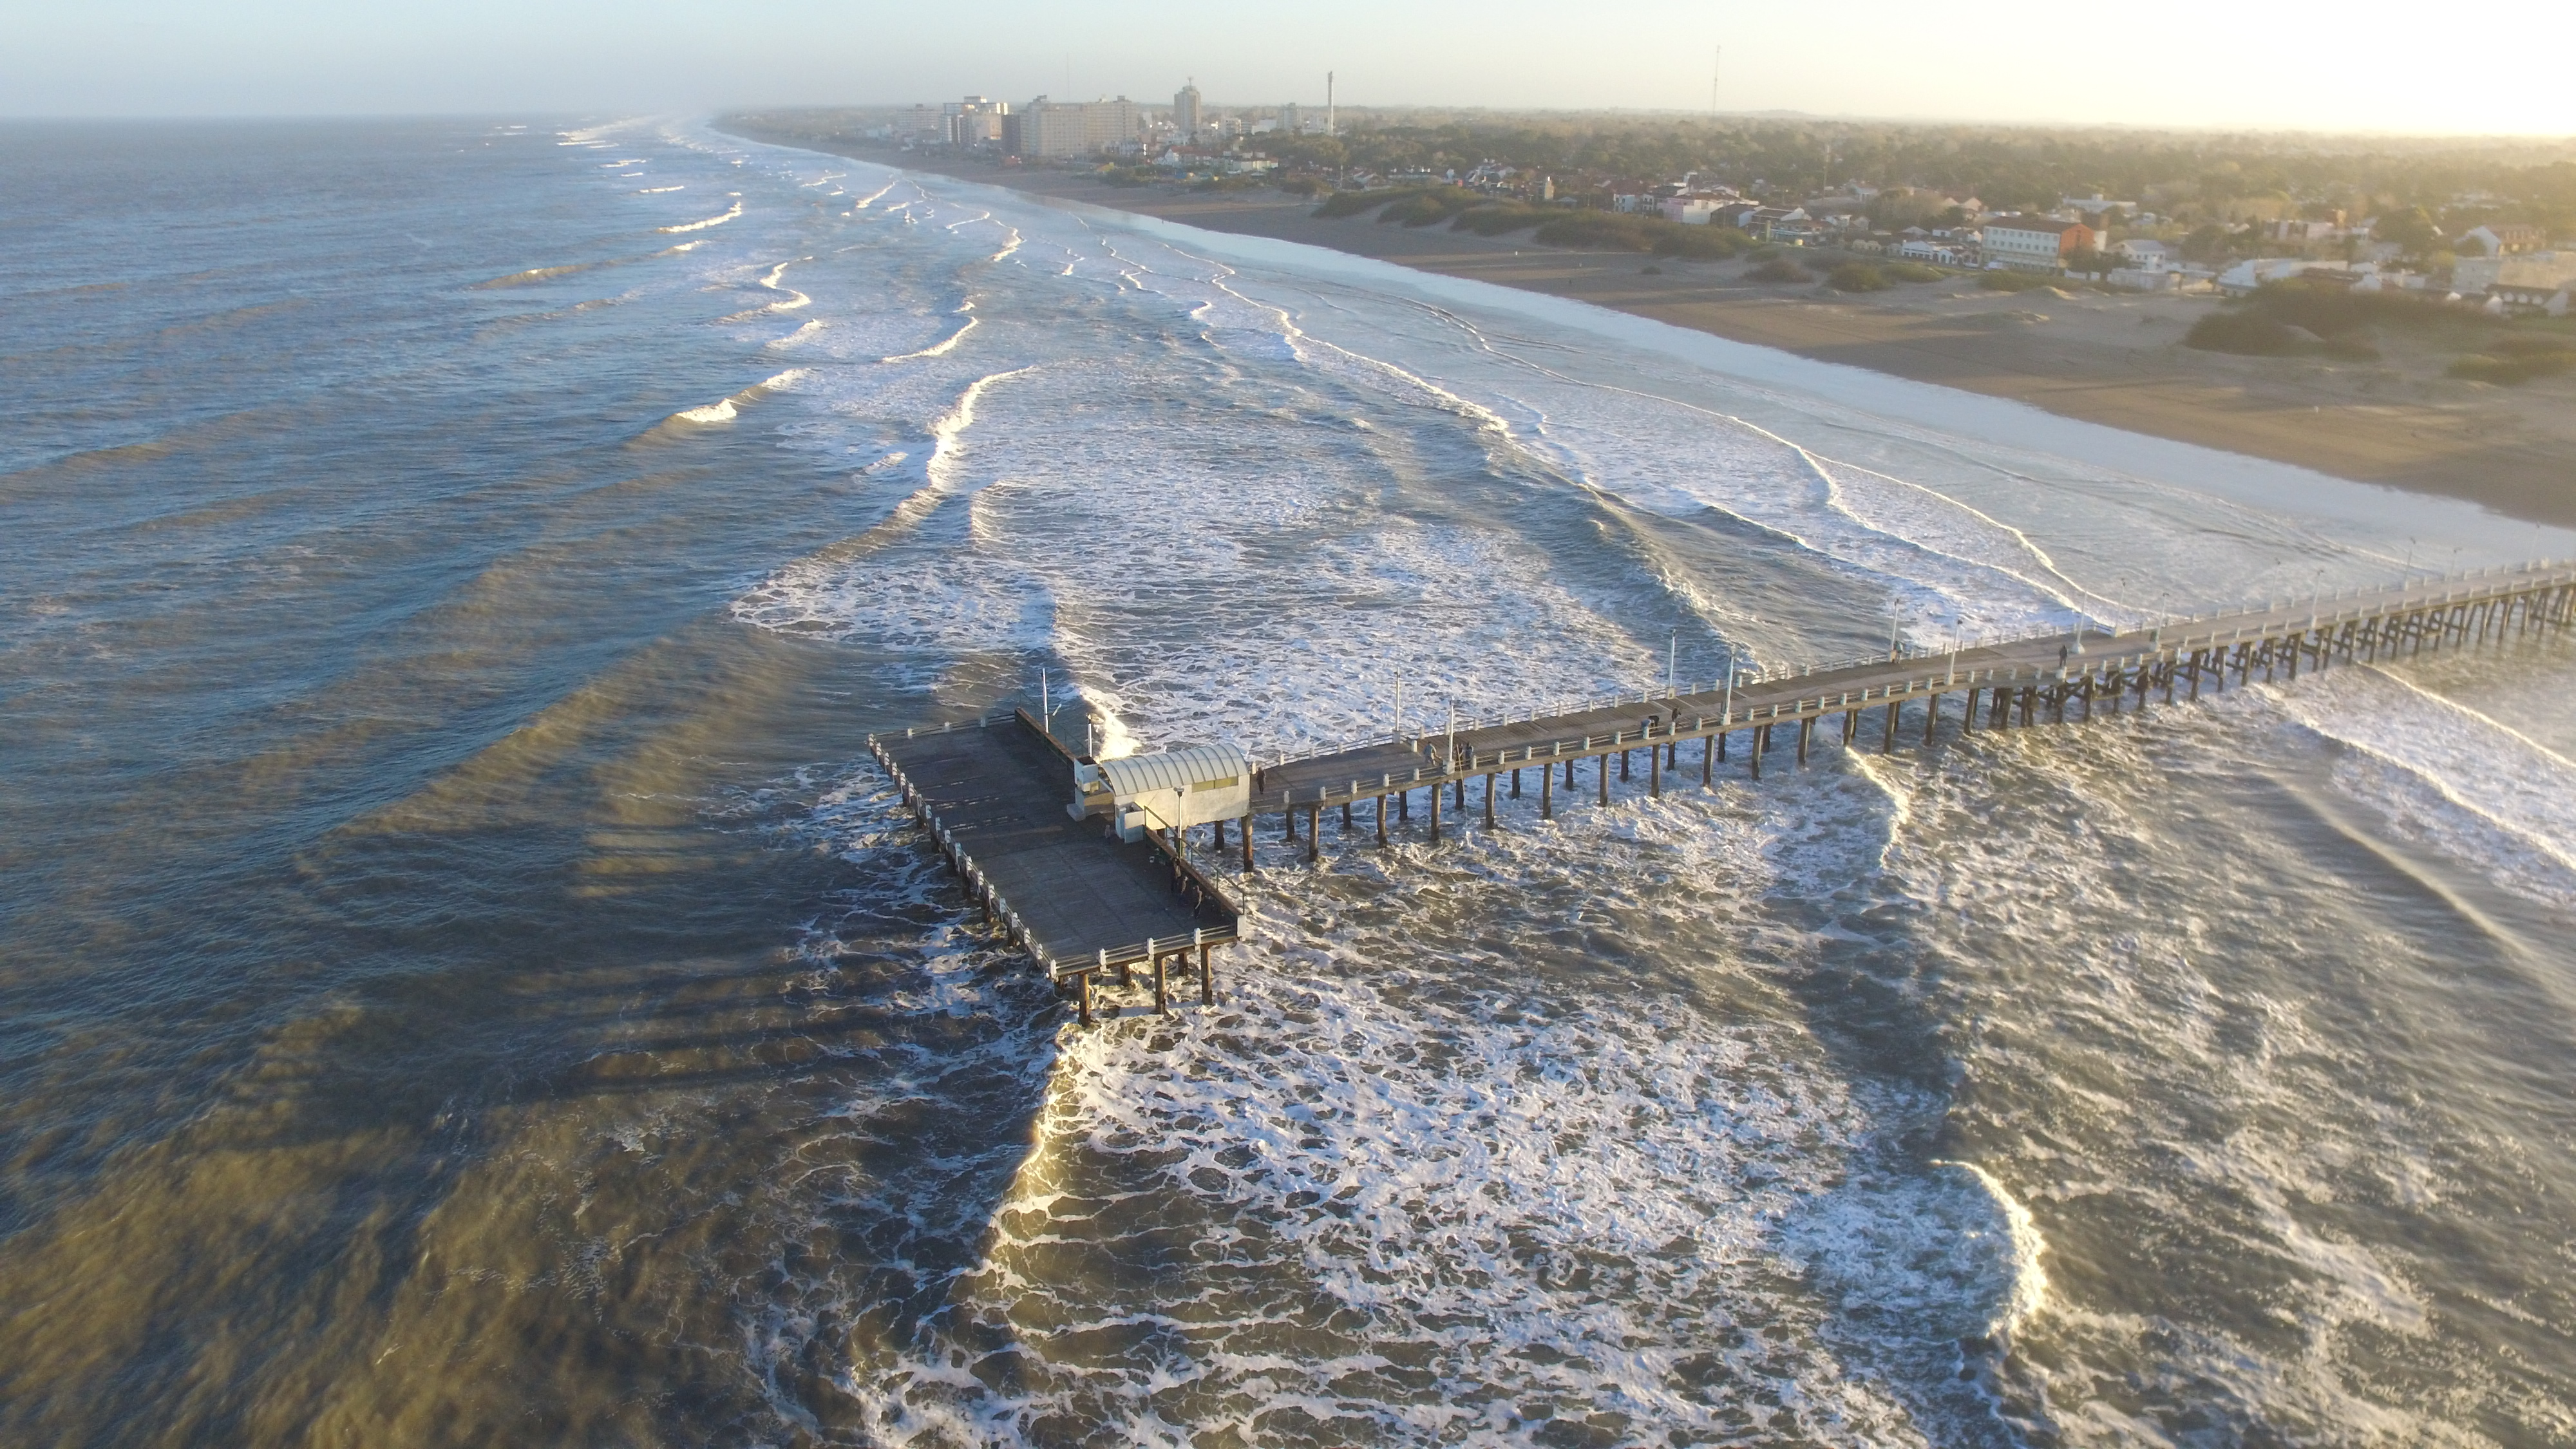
point(2342, 605)
point(2057, 665)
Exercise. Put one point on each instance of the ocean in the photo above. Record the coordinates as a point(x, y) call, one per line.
point(462, 980)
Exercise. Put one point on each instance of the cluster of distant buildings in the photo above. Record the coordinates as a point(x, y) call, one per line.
point(2506, 267)
point(2015, 240)
point(2537, 283)
point(2503, 267)
point(1053, 130)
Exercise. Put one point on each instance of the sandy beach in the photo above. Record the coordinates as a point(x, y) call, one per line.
point(2108, 358)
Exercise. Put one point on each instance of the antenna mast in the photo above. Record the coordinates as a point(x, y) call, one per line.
point(1715, 63)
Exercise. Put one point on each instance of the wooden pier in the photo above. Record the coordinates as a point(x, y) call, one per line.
point(992, 794)
point(2019, 682)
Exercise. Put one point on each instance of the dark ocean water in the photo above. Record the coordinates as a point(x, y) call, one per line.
point(459, 981)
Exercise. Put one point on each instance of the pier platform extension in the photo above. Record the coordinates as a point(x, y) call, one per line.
point(992, 794)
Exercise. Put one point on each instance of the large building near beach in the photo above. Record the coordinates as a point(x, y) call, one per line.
point(1046, 129)
point(2034, 243)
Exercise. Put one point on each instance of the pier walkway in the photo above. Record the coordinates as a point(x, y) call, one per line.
point(1998, 685)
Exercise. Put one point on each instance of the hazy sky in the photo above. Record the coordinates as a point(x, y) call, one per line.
point(2480, 68)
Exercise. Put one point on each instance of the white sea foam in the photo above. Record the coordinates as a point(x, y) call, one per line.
point(2449, 776)
point(2029, 1276)
point(717, 220)
point(725, 410)
point(793, 300)
point(945, 345)
point(659, 190)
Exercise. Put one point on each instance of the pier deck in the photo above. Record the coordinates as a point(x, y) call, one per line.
point(992, 793)
point(2013, 679)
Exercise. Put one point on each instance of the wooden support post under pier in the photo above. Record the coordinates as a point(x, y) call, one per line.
point(1489, 802)
point(1806, 732)
point(1887, 731)
point(1314, 833)
point(1435, 815)
point(1207, 975)
point(1708, 747)
point(1931, 717)
point(1605, 776)
point(1654, 770)
point(1761, 742)
point(1162, 1000)
point(1547, 793)
point(1381, 821)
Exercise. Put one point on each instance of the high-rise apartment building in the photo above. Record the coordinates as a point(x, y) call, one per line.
point(974, 121)
point(1045, 128)
point(1185, 110)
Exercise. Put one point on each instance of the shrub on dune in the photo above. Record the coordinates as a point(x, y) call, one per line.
point(1701, 243)
point(1507, 217)
point(2247, 334)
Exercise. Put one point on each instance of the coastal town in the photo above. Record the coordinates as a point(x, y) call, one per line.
point(2472, 248)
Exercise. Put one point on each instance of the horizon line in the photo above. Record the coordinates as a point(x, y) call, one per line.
point(1678, 113)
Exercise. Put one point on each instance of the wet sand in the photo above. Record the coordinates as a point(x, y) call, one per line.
point(2113, 359)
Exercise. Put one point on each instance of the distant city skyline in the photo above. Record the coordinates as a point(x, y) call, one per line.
point(2187, 63)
